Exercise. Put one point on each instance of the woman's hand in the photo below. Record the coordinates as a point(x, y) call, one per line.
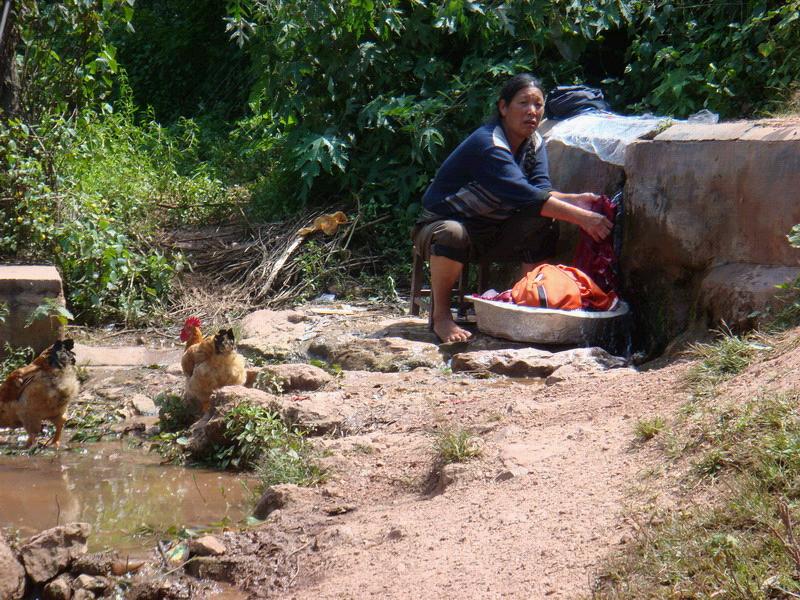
point(596, 225)
point(585, 200)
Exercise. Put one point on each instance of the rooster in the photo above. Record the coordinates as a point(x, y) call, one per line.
point(211, 364)
point(40, 391)
point(192, 335)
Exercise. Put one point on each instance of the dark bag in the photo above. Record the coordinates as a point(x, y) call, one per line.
point(566, 101)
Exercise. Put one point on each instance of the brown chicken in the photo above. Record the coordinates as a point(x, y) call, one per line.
point(12, 386)
point(210, 365)
point(40, 391)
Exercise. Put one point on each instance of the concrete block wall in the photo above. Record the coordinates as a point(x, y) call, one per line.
point(24, 288)
point(708, 208)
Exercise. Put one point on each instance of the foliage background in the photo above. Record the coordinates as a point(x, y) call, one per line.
point(135, 117)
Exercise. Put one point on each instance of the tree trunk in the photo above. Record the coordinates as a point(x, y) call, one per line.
point(9, 78)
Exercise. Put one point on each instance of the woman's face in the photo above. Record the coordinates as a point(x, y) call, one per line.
point(523, 114)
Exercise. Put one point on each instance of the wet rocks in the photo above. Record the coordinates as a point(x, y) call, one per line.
point(12, 582)
point(532, 362)
point(92, 583)
point(53, 550)
point(388, 354)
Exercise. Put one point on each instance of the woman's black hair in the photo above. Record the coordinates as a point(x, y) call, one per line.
point(515, 84)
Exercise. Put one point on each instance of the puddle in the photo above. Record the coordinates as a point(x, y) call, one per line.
point(124, 493)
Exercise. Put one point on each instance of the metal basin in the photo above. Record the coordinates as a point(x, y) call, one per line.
point(548, 325)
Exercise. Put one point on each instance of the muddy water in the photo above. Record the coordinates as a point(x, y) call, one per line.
point(124, 493)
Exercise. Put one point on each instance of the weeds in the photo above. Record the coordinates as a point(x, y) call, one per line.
point(257, 438)
point(174, 413)
point(91, 421)
point(15, 357)
point(741, 543)
point(646, 429)
point(171, 445)
point(270, 382)
point(456, 445)
point(334, 369)
point(723, 359)
point(289, 464)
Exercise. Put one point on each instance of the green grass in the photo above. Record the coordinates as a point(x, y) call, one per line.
point(728, 356)
point(456, 445)
point(646, 429)
point(739, 541)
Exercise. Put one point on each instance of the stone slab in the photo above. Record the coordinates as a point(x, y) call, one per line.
point(683, 132)
point(125, 356)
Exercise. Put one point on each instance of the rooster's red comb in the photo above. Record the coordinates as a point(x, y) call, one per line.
point(192, 322)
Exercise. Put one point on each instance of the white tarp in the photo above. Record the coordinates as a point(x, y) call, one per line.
point(608, 134)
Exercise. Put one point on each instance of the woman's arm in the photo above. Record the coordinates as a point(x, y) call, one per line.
point(595, 224)
point(583, 200)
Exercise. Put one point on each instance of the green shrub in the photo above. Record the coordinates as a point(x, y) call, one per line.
point(174, 413)
point(15, 357)
point(291, 463)
point(254, 434)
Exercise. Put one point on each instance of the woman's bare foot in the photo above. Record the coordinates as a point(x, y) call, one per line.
point(448, 331)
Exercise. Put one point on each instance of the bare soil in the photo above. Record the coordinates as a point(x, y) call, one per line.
point(535, 516)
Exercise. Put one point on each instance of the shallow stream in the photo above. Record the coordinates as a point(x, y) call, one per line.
point(129, 499)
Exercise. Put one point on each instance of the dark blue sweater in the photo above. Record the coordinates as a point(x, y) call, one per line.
point(482, 179)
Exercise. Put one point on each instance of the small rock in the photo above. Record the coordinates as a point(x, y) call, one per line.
point(207, 545)
point(12, 581)
point(448, 475)
point(143, 406)
point(511, 473)
point(82, 594)
point(58, 589)
point(91, 582)
point(51, 552)
point(298, 377)
point(271, 500)
point(210, 567)
point(282, 496)
point(339, 509)
point(97, 563)
point(395, 534)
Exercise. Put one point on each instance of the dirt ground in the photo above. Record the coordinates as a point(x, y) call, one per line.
point(534, 516)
